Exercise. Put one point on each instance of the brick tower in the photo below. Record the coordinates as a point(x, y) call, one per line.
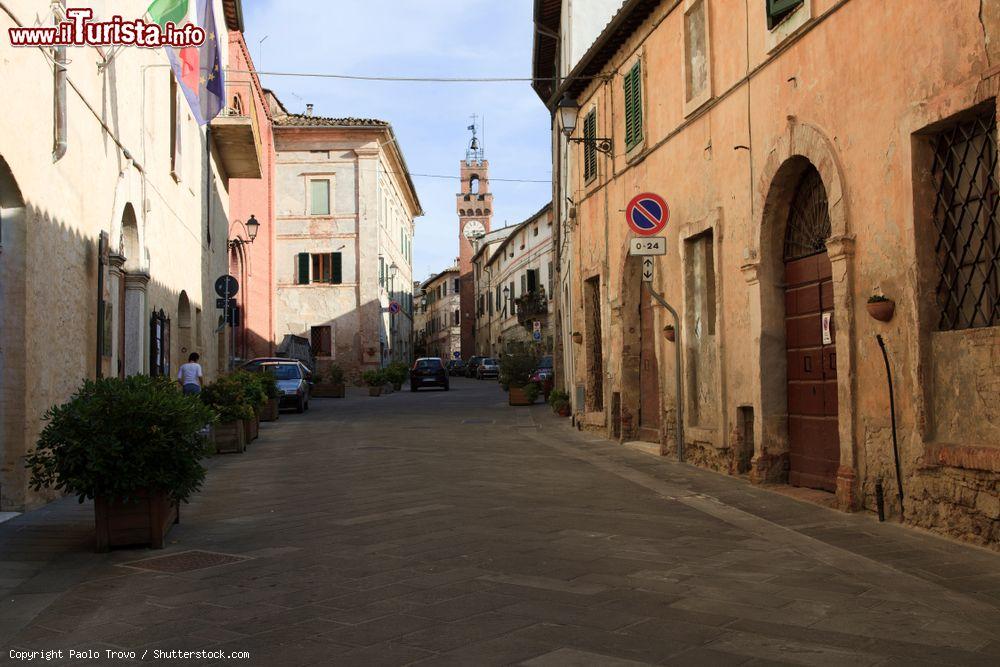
point(475, 213)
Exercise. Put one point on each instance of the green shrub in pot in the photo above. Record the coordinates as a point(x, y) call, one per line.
point(116, 437)
point(374, 378)
point(229, 398)
point(516, 369)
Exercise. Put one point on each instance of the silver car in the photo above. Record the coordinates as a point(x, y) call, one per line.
point(293, 383)
point(488, 369)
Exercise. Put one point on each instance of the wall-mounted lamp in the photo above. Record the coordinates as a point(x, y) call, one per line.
point(252, 227)
point(568, 112)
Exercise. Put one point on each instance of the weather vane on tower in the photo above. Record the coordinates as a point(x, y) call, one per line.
point(475, 153)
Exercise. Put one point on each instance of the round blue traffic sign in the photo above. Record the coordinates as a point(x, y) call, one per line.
point(647, 214)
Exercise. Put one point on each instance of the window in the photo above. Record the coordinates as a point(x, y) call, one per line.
point(532, 279)
point(175, 129)
point(696, 57)
point(458, 285)
point(322, 341)
point(319, 268)
point(381, 271)
point(589, 146)
point(457, 318)
point(550, 280)
point(633, 107)
point(777, 10)
point(319, 197)
point(967, 253)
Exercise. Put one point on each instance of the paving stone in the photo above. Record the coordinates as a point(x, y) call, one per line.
point(379, 630)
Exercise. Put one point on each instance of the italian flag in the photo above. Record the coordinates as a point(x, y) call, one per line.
point(198, 69)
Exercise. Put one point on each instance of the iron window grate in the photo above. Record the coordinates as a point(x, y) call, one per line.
point(965, 219)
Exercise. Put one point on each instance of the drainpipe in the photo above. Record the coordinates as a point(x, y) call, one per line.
point(892, 414)
point(59, 143)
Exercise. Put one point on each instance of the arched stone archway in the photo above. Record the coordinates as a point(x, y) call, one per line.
point(801, 148)
point(128, 272)
point(184, 331)
point(13, 237)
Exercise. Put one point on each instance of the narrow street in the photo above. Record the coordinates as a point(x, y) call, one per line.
point(449, 528)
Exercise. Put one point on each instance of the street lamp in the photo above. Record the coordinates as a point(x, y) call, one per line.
point(568, 112)
point(252, 228)
point(506, 298)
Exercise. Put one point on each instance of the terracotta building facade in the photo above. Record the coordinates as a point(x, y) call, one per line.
point(812, 190)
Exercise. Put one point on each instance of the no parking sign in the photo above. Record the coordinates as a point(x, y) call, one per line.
point(647, 214)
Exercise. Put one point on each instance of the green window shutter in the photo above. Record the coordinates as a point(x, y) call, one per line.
point(590, 146)
point(302, 269)
point(338, 267)
point(633, 107)
point(779, 9)
point(628, 109)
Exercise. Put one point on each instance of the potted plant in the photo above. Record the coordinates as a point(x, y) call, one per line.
point(134, 445)
point(670, 332)
point(227, 397)
point(375, 379)
point(881, 307)
point(515, 374)
point(331, 384)
point(271, 409)
point(255, 396)
point(396, 374)
point(559, 401)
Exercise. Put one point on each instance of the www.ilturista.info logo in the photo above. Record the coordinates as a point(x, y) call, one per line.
point(79, 30)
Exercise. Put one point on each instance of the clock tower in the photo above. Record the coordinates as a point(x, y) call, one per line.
point(475, 213)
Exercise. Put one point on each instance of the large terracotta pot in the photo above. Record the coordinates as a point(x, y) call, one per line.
point(143, 522)
point(229, 438)
point(517, 396)
point(374, 391)
point(882, 310)
point(270, 411)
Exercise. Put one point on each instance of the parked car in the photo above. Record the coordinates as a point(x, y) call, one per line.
point(488, 369)
point(293, 382)
point(471, 365)
point(544, 375)
point(254, 364)
point(456, 367)
point(429, 372)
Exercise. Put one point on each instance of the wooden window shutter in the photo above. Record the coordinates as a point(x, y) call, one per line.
point(302, 269)
point(779, 9)
point(590, 146)
point(524, 283)
point(628, 109)
point(338, 268)
point(633, 106)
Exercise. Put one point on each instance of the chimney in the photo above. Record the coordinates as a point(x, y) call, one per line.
point(309, 110)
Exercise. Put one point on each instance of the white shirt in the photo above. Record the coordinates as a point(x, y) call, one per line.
point(189, 373)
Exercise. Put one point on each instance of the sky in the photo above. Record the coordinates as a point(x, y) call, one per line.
point(438, 38)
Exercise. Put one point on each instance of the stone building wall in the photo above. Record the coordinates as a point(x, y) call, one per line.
point(167, 231)
point(728, 155)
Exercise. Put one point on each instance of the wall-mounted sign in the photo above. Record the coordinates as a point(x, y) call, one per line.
point(651, 245)
point(647, 214)
point(394, 307)
point(648, 265)
point(827, 328)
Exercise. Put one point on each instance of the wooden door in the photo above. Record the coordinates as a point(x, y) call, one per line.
point(649, 375)
point(813, 429)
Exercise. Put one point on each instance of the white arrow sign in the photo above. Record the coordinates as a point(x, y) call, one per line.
point(647, 269)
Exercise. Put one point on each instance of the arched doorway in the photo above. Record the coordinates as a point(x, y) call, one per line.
point(13, 236)
point(813, 424)
point(132, 294)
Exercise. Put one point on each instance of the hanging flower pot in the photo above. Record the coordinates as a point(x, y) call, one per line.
point(577, 337)
point(670, 333)
point(881, 308)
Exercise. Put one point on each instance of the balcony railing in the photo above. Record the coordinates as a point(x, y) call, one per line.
point(531, 306)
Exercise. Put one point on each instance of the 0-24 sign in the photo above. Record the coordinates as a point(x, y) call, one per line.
point(650, 245)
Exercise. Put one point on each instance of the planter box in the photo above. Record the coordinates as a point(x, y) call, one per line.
point(328, 390)
point(251, 429)
point(374, 391)
point(229, 438)
point(270, 411)
point(517, 396)
point(144, 522)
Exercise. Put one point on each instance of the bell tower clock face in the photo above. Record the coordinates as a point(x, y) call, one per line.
point(473, 230)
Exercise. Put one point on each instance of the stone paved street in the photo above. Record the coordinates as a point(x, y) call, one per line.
point(447, 528)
